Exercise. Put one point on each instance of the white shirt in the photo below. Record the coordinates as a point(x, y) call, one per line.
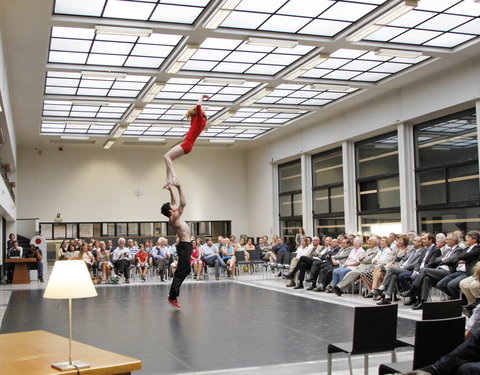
point(301, 251)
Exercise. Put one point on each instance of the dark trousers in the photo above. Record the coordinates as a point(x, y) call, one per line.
point(184, 251)
point(315, 269)
point(283, 257)
point(462, 360)
point(425, 280)
point(303, 265)
point(325, 276)
point(450, 284)
point(123, 266)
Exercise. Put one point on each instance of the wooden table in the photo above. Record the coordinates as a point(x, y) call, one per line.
point(20, 272)
point(33, 353)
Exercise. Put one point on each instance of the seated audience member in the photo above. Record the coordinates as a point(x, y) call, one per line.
point(428, 277)
point(274, 240)
point(142, 261)
point(103, 261)
point(266, 250)
point(174, 256)
point(249, 246)
point(196, 260)
point(351, 264)
point(160, 254)
point(228, 257)
point(324, 261)
point(11, 238)
point(450, 284)
point(242, 246)
point(62, 250)
point(301, 251)
point(339, 259)
point(409, 264)
point(71, 252)
point(13, 252)
point(392, 237)
point(309, 241)
point(133, 248)
point(305, 262)
point(86, 256)
point(365, 265)
point(384, 256)
point(34, 252)
point(211, 257)
point(121, 259)
point(461, 239)
point(470, 287)
point(441, 243)
point(282, 254)
point(233, 241)
point(402, 250)
point(109, 247)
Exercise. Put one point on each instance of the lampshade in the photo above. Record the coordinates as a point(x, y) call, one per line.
point(70, 279)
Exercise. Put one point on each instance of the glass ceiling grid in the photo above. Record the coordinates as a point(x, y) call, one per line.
point(68, 109)
point(76, 128)
point(170, 11)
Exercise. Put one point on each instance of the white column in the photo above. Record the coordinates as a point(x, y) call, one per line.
point(306, 163)
point(349, 189)
point(275, 203)
point(406, 167)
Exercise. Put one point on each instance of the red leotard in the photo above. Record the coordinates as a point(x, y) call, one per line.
point(197, 123)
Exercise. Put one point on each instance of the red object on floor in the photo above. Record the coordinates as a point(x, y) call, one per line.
point(174, 303)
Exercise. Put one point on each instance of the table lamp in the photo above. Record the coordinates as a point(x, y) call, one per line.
point(70, 279)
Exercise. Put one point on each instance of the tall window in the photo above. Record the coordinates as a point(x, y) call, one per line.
point(378, 191)
point(446, 170)
point(290, 200)
point(328, 207)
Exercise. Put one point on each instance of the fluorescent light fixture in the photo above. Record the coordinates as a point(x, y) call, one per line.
point(321, 86)
point(125, 31)
point(222, 12)
point(312, 63)
point(223, 117)
point(153, 91)
point(223, 81)
point(88, 102)
point(133, 114)
point(398, 53)
point(280, 43)
point(222, 141)
point(382, 20)
point(119, 131)
point(108, 144)
point(109, 75)
point(75, 137)
point(151, 139)
point(187, 52)
point(259, 95)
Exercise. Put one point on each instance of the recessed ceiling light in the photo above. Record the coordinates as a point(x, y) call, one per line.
point(223, 81)
point(222, 12)
point(108, 144)
point(126, 31)
point(187, 52)
point(222, 141)
point(321, 86)
point(398, 53)
point(153, 91)
point(151, 139)
point(109, 75)
point(75, 137)
point(119, 131)
point(280, 43)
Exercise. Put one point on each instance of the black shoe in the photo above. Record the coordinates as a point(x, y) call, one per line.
point(418, 306)
point(368, 295)
point(378, 298)
point(40, 278)
point(289, 276)
point(318, 289)
point(385, 301)
point(337, 291)
point(406, 294)
point(377, 292)
point(330, 290)
point(299, 286)
point(395, 298)
point(311, 287)
point(409, 302)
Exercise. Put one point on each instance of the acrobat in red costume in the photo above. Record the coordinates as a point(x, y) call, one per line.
point(198, 119)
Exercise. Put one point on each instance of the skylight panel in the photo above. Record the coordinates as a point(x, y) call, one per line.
point(128, 9)
point(306, 8)
point(209, 54)
point(324, 27)
point(67, 57)
point(416, 36)
point(72, 32)
point(449, 40)
point(264, 69)
point(248, 57)
point(144, 62)
point(345, 11)
point(360, 65)
point(372, 77)
point(389, 67)
point(444, 22)
point(385, 33)
point(231, 67)
point(267, 6)
point(412, 18)
point(199, 65)
point(244, 20)
point(466, 8)
point(341, 74)
point(279, 59)
point(471, 27)
point(98, 59)
point(435, 5)
point(76, 45)
point(218, 43)
point(176, 13)
point(112, 48)
point(150, 50)
point(84, 7)
point(284, 24)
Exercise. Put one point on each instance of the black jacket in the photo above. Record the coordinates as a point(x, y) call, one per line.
point(470, 258)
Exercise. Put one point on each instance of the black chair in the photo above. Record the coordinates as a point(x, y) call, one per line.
point(241, 261)
point(374, 330)
point(435, 310)
point(255, 258)
point(433, 339)
point(285, 265)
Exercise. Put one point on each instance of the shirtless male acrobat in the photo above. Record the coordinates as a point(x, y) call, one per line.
point(173, 210)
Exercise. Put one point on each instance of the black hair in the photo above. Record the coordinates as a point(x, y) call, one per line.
point(166, 209)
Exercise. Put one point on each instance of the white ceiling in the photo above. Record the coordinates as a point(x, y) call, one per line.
point(49, 45)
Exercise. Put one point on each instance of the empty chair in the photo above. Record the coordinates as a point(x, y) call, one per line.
point(240, 257)
point(374, 330)
point(433, 339)
point(255, 257)
point(435, 310)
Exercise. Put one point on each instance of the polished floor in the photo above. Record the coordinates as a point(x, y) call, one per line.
point(224, 327)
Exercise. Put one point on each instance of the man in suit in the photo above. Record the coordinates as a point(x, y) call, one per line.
point(450, 284)
point(428, 261)
point(429, 277)
point(305, 262)
point(324, 261)
point(408, 265)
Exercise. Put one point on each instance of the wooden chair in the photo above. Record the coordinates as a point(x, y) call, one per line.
point(433, 339)
point(374, 330)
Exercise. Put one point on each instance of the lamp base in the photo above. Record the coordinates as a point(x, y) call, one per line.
point(62, 366)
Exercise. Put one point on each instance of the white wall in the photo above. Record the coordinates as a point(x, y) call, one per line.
point(87, 184)
point(434, 96)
